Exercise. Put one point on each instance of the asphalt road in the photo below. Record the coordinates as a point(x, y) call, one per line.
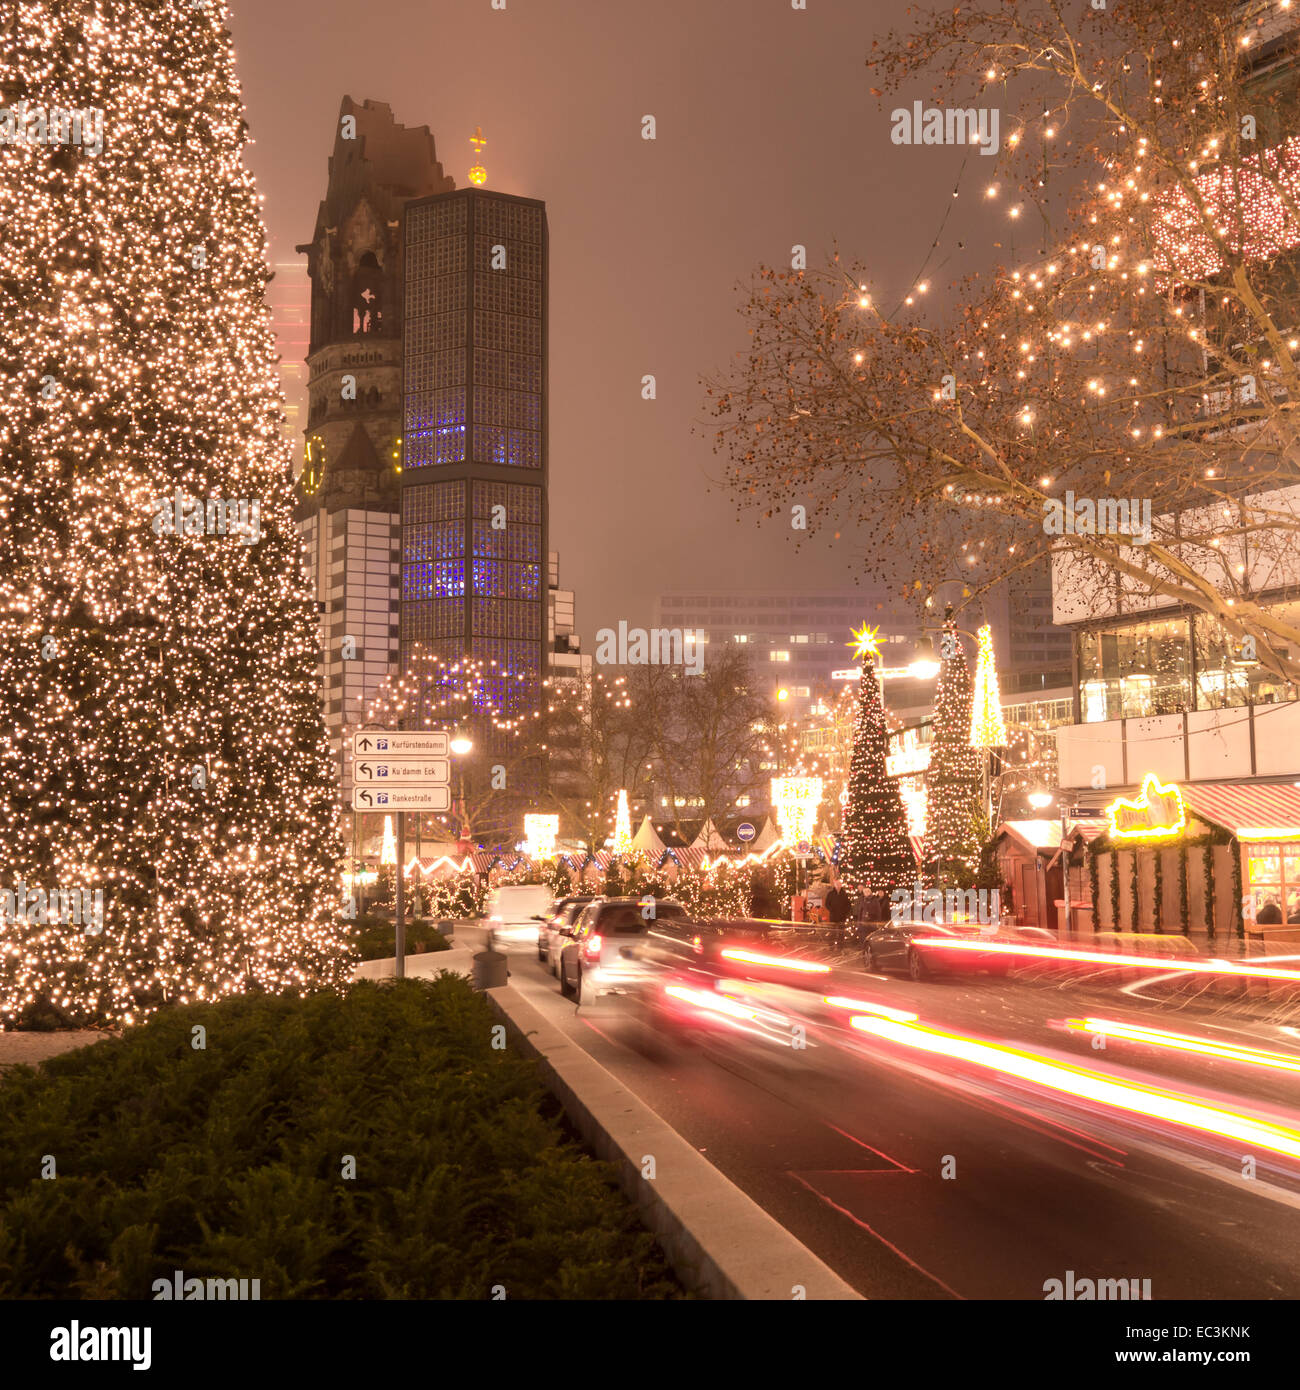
point(916, 1176)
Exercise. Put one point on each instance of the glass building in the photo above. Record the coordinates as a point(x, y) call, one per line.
point(1133, 668)
point(474, 448)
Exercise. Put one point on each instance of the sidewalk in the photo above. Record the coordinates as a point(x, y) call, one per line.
point(31, 1049)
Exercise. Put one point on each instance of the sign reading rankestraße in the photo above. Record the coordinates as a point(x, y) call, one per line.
point(401, 798)
point(374, 743)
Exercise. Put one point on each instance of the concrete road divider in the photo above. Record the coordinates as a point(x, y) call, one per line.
point(721, 1243)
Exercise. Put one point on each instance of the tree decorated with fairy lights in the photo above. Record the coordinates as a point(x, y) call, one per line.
point(952, 781)
point(163, 741)
point(875, 852)
point(1140, 341)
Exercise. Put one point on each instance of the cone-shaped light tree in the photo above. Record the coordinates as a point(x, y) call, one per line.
point(161, 733)
point(875, 853)
point(952, 783)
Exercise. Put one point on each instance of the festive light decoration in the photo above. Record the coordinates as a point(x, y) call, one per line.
point(795, 800)
point(540, 833)
point(1113, 363)
point(1249, 204)
point(162, 738)
point(987, 729)
point(622, 825)
point(952, 781)
point(874, 850)
point(1156, 814)
point(866, 643)
point(388, 851)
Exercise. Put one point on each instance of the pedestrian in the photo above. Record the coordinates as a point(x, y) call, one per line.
point(838, 908)
point(837, 904)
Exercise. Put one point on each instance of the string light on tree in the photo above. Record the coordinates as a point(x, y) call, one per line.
point(987, 729)
point(952, 781)
point(388, 851)
point(874, 849)
point(622, 825)
point(162, 735)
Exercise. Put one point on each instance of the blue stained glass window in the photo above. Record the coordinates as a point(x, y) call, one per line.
point(449, 579)
point(497, 579)
point(417, 581)
point(489, 444)
point(434, 541)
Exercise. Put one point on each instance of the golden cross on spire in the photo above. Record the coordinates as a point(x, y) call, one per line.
point(478, 174)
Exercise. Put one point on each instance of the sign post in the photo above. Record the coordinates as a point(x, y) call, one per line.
point(399, 771)
point(399, 898)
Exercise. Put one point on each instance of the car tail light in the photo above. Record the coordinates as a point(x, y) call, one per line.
point(591, 950)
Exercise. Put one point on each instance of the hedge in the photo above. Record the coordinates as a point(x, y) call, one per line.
point(227, 1161)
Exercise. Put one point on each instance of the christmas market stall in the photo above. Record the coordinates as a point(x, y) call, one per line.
point(1215, 861)
point(1033, 870)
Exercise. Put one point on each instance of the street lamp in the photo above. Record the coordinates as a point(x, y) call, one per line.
point(1039, 800)
point(924, 665)
point(461, 745)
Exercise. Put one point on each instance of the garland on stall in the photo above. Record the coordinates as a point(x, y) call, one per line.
point(1114, 890)
point(1133, 892)
point(1157, 914)
point(1237, 890)
point(1207, 867)
point(1094, 886)
point(1184, 902)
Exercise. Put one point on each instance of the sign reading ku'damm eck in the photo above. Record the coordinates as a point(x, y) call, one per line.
point(430, 770)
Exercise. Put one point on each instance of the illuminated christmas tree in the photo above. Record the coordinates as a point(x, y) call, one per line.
point(875, 853)
point(622, 825)
point(987, 727)
point(162, 738)
point(952, 783)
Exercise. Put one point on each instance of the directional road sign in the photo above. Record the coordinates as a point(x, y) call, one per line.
point(372, 797)
point(374, 743)
point(434, 771)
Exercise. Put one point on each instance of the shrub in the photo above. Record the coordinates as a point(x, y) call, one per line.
point(227, 1161)
point(376, 941)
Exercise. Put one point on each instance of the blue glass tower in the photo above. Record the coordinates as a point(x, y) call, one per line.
point(474, 449)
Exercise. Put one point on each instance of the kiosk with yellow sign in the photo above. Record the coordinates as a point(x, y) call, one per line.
point(1214, 860)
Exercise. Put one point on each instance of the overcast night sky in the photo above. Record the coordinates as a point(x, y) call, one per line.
point(768, 135)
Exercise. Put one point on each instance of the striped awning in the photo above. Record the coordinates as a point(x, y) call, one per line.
point(1250, 810)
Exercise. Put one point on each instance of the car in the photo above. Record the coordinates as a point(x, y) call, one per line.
point(514, 909)
point(894, 946)
point(611, 951)
point(553, 933)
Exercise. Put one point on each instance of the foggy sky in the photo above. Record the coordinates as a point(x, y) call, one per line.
point(767, 136)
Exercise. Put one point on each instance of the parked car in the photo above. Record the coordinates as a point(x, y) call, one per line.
point(893, 946)
point(610, 950)
point(514, 909)
point(553, 933)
